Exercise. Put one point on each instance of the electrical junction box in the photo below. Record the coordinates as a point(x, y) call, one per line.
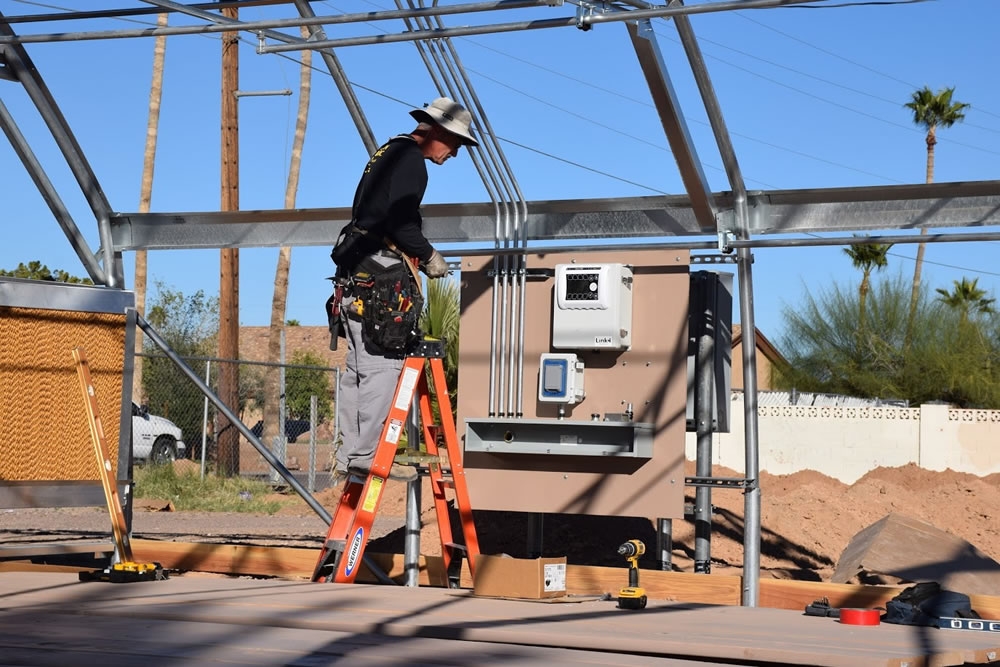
point(592, 309)
point(560, 379)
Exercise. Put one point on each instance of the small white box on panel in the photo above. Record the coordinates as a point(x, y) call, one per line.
point(592, 308)
point(560, 378)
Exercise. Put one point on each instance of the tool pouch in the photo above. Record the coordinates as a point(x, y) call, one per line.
point(353, 245)
point(391, 308)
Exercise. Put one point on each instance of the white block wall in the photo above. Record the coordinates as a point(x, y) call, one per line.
point(847, 442)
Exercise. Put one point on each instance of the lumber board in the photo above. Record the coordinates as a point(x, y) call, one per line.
point(293, 562)
point(659, 585)
point(786, 594)
point(298, 563)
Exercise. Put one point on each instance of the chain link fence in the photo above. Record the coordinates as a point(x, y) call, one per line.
point(306, 397)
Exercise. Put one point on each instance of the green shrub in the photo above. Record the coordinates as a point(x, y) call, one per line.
point(187, 491)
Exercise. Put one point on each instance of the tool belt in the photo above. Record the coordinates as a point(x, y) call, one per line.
point(388, 302)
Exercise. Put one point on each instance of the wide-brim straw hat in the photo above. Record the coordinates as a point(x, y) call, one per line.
point(451, 116)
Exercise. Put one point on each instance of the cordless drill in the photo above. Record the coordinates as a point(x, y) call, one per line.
point(632, 596)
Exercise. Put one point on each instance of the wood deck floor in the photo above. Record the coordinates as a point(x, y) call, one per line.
point(52, 619)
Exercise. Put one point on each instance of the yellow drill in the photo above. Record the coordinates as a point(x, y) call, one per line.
point(632, 596)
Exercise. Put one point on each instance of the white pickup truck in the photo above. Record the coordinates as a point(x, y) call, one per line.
point(155, 439)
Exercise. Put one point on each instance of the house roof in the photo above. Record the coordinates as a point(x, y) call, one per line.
point(766, 347)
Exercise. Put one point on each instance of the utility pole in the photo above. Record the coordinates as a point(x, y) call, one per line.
point(229, 258)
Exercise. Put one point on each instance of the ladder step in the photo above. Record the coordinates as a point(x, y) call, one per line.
point(456, 546)
point(412, 457)
point(336, 545)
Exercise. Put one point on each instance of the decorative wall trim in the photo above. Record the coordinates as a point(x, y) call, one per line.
point(886, 414)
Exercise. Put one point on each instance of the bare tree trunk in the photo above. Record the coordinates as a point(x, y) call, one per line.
point(272, 420)
point(146, 193)
point(918, 268)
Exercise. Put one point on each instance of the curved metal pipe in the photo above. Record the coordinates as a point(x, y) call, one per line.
point(460, 87)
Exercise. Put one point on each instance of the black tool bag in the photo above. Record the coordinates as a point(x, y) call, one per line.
point(353, 245)
point(391, 307)
point(925, 603)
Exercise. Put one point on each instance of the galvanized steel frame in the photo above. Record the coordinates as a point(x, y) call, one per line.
point(702, 219)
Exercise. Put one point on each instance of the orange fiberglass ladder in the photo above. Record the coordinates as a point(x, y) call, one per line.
point(350, 530)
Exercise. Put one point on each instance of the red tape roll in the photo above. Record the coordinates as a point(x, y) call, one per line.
point(860, 616)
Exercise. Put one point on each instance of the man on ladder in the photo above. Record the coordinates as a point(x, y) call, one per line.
point(376, 306)
point(377, 256)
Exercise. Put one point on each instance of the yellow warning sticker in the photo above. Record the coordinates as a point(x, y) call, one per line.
point(374, 492)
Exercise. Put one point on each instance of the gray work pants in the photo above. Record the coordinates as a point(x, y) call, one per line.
point(366, 391)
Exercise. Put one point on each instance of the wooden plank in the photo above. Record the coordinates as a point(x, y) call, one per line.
point(786, 594)
point(299, 563)
point(287, 562)
point(716, 633)
point(659, 585)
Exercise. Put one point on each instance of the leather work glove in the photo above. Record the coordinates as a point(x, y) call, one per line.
point(436, 267)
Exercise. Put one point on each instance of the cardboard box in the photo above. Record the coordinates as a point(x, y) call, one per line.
point(507, 577)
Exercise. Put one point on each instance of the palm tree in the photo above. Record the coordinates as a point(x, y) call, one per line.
point(966, 298)
point(272, 425)
point(440, 319)
point(867, 257)
point(146, 190)
point(930, 111)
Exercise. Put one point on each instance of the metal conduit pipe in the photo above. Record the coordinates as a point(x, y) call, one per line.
point(444, 86)
point(465, 31)
point(751, 515)
point(459, 87)
point(254, 26)
point(340, 79)
point(517, 277)
point(569, 22)
point(515, 358)
point(758, 243)
point(278, 466)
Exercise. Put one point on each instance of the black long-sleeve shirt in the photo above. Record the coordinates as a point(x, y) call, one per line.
point(387, 201)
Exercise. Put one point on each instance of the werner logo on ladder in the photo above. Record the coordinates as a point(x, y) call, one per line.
point(344, 548)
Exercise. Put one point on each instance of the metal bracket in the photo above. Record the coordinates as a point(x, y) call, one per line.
point(725, 482)
point(713, 259)
point(585, 10)
point(5, 72)
point(726, 238)
point(429, 348)
point(529, 274)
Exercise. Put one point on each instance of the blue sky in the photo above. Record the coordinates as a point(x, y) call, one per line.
point(812, 97)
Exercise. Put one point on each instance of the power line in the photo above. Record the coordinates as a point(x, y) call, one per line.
point(845, 59)
point(645, 103)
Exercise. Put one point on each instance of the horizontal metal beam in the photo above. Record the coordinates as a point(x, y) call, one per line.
point(335, 19)
point(972, 204)
point(961, 204)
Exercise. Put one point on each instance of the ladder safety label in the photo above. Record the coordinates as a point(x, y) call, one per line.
point(407, 383)
point(354, 550)
point(371, 498)
point(393, 432)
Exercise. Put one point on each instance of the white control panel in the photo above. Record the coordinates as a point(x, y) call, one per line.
point(560, 378)
point(592, 309)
